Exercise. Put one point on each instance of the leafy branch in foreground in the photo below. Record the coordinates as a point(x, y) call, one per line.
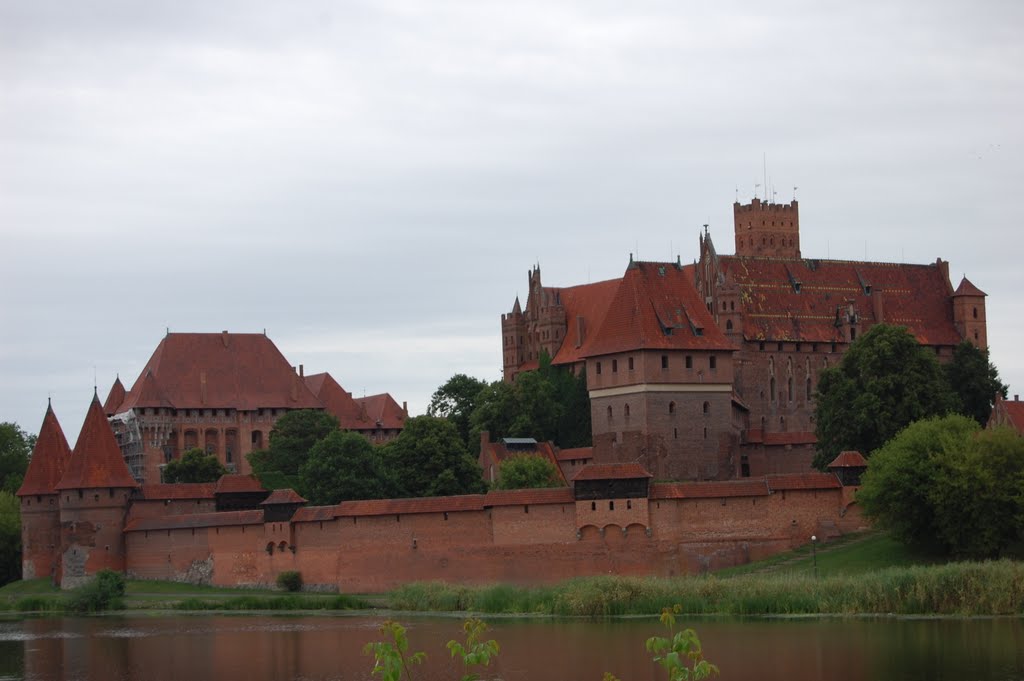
point(391, 658)
point(475, 652)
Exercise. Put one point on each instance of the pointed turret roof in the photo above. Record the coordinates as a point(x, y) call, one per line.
point(517, 308)
point(96, 460)
point(114, 398)
point(966, 288)
point(49, 458)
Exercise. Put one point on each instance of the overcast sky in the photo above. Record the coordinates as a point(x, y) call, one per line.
point(370, 182)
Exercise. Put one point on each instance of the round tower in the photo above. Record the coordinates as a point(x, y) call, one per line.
point(40, 511)
point(94, 495)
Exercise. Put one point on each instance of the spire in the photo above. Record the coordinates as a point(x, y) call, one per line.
point(96, 460)
point(966, 288)
point(49, 458)
point(114, 398)
point(517, 309)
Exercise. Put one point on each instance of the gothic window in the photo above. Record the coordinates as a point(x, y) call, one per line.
point(625, 411)
point(707, 408)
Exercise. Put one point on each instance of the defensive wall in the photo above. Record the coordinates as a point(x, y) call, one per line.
point(523, 536)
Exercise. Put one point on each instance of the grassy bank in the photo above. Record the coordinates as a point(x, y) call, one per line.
point(992, 588)
point(39, 596)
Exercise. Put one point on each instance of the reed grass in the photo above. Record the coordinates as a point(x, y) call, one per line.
point(989, 588)
point(291, 602)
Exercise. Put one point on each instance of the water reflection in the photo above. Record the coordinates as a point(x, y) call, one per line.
point(227, 648)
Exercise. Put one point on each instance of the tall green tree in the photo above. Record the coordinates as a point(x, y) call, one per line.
point(429, 459)
point(455, 401)
point(195, 465)
point(526, 471)
point(944, 484)
point(342, 467)
point(884, 382)
point(15, 450)
point(974, 380)
point(291, 440)
point(10, 537)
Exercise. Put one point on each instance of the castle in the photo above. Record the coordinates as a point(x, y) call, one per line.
point(707, 371)
point(82, 511)
point(222, 393)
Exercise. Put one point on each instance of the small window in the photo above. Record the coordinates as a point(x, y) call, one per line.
point(593, 505)
point(609, 414)
point(707, 408)
point(629, 504)
point(689, 361)
point(615, 366)
point(675, 433)
point(625, 411)
point(728, 325)
point(712, 361)
point(664, 361)
point(611, 505)
point(975, 312)
point(671, 407)
point(598, 369)
point(630, 363)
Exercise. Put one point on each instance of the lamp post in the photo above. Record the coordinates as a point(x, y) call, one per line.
point(814, 553)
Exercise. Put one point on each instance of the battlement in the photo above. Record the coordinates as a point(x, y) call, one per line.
point(758, 206)
point(767, 229)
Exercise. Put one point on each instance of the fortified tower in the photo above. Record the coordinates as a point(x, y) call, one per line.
point(969, 313)
point(40, 511)
point(767, 229)
point(93, 499)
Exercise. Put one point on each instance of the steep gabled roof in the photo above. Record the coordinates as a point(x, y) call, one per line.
point(381, 411)
point(499, 452)
point(656, 307)
point(1007, 413)
point(801, 300)
point(849, 459)
point(114, 398)
point(96, 460)
point(611, 471)
point(237, 483)
point(338, 402)
point(50, 457)
point(589, 302)
point(283, 496)
point(243, 371)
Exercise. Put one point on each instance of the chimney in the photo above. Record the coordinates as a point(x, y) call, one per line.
point(579, 330)
point(405, 409)
point(224, 337)
point(1016, 398)
point(202, 387)
point(302, 371)
point(295, 389)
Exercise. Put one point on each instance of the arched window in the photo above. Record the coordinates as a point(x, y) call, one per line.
point(728, 325)
point(671, 407)
point(707, 408)
point(975, 311)
point(609, 414)
point(782, 423)
point(625, 411)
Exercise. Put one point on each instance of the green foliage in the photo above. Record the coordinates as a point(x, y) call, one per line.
point(456, 400)
point(475, 652)
point(943, 484)
point(10, 538)
point(291, 441)
point(289, 580)
point(103, 592)
point(681, 656)
point(391, 657)
point(15, 449)
point(195, 465)
point(884, 382)
point(428, 459)
point(974, 380)
point(343, 466)
point(547, 404)
point(525, 471)
point(275, 603)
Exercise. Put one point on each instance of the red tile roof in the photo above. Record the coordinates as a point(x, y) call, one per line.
point(915, 296)
point(657, 307)
point(96, 460)
point(309, 514)
point(180, 490)
point(589, 301)
point(243, 371)
point(575, 453)
point(338, 402)
point(471, 502)
point(1007, 413)
point(381, 411)
point(235, 483)
point(498, 452)
point(612, 471)
point(114, 398)
point(196, 520)
point(515, 497)
point(750, 487)
point(796, 481)
point(50, 457)
point(283, 496)
point(849, 459)
point(966, 288)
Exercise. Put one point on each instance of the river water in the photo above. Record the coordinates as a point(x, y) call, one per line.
point(321, 648)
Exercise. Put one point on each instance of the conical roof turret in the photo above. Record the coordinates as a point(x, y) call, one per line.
point(96, 460)
point(50, 458)
point(114, 398)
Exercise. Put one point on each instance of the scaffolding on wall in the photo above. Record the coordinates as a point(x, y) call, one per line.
point(132, 430)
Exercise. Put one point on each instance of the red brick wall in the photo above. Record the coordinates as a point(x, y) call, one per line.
point(40, 537)
point(92, 537)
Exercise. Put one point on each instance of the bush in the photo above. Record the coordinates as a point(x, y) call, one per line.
point(289, 580)
point(102, 593)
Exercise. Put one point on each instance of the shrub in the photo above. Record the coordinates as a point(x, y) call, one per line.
point(102, 593)
point(290, 580)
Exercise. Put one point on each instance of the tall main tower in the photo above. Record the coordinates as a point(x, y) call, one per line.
point(767, 229)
